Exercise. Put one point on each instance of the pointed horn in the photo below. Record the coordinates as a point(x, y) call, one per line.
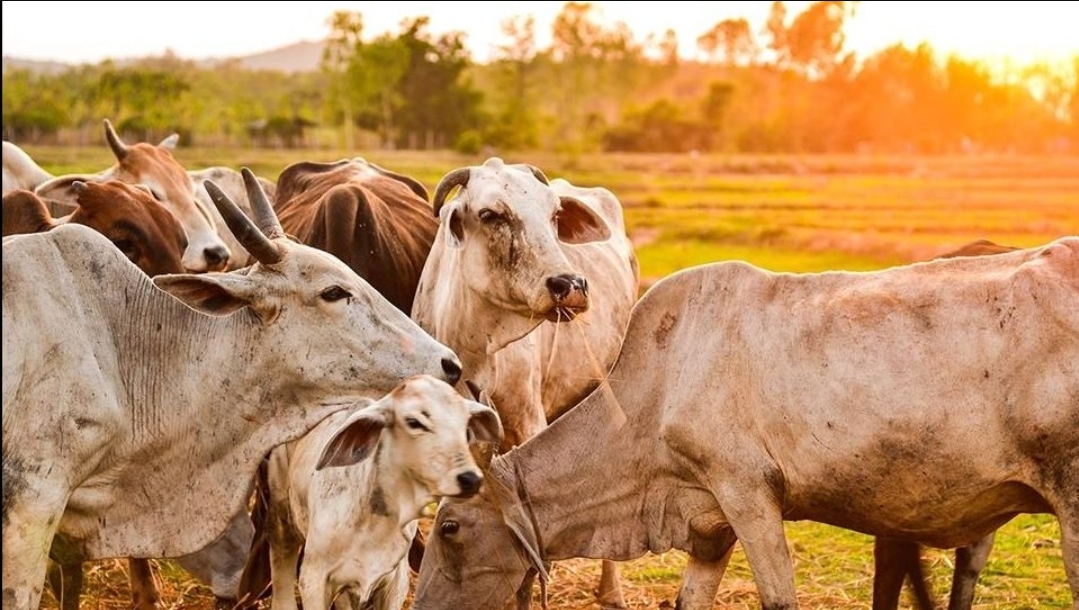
point(538, 174)
point(265, 217)
point(458, 177)
point(118, 147)
point(249, 236)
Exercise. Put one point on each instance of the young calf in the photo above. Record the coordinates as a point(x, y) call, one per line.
point(350, 491)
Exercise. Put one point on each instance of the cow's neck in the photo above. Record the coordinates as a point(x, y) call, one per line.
point(487, 329)
point(214, 366)
point(201, 415)
point(582, 482)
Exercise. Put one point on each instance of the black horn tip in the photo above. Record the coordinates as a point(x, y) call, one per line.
point(538, 173)
point(215, 191)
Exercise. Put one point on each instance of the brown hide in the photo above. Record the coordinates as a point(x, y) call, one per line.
point(136, 223)
point(375, 221)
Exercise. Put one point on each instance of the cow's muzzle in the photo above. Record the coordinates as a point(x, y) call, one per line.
point(569, 293)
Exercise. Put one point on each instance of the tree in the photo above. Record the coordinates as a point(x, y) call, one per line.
point(337, 58)
point(731, 42)
point(439, 104)
point(815, 38)
point(594, 68)
point(514, 71)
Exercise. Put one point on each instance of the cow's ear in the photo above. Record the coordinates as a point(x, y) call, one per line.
point(170, 142)
point(580, 224)
point(62, 188)
point(484, 424)
point(215, 294)
point(356, 439)
point(455, 229)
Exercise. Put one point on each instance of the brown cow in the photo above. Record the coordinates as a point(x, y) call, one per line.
point(377, 221)
point(136, 223)
point(156, 168)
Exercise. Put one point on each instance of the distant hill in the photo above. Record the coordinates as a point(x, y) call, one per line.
point(303, 56)
point(33, 65)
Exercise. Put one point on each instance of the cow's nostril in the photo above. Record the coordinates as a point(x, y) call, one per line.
point(582, 285)
point(216, 256)
point(452, 368)
point(469, 482)
point(560, 286)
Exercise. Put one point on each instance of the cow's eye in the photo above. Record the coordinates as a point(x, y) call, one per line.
point(449, 528)
point(126, 246)
point(487, 215)
point(415, 424)
point(334, 293)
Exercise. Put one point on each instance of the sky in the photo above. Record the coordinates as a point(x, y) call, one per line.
point(81, 32)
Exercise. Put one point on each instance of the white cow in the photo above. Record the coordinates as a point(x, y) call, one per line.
point(131, 428)
point(514, 263)
point(931, 402)
point(356, 521)
point(20, 171)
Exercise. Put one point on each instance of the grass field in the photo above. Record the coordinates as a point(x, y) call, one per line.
point(784, 213)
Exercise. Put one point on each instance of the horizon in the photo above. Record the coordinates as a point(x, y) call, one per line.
point(1008, 34)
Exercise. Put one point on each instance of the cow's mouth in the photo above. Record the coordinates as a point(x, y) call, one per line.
point(562, 313)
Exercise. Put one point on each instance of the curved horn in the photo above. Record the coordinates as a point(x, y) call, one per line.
point(265, 217)
point(411, 183)
point(249, 236)
point(537, 173)
point(115, 143)
point(458, 177)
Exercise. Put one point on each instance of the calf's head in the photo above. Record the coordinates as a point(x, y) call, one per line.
point(425, 428)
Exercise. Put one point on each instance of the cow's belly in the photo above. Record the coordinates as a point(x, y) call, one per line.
point(938, 513)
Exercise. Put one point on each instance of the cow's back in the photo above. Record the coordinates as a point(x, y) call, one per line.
point(57, 340)
point(374, 223)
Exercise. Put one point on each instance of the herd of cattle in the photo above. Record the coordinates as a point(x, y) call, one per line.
point(352, 349)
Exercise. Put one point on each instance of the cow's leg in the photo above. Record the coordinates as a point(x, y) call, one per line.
point(894, 560)
point(29, 527)
point(65, 572)
point(609, 593)
point(1069, 546)
point(315, 589)
point(144, 593)
point(700, 581)
point(969, 563)
point(284, 555)
point(758, 523)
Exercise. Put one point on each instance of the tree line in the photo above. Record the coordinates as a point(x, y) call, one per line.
point(789, 86)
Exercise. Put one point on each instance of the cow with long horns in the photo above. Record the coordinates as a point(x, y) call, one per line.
point(131, 429)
